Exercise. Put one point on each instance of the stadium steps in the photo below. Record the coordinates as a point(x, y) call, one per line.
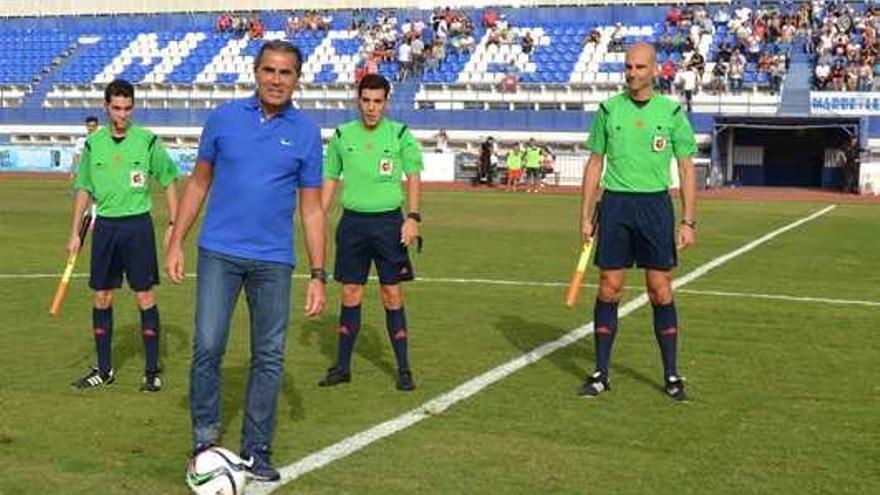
point(404, 93)
point(37, 96)
point(799, 50)
point(796, 90)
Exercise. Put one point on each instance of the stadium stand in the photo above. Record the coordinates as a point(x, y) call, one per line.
point(845, 48)
point(500, 70)
point(184, 67)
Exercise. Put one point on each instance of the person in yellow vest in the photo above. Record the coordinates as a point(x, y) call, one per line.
point(514, 167)
point(533, 166)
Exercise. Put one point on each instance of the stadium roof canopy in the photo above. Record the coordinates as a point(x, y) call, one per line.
point(843, 122)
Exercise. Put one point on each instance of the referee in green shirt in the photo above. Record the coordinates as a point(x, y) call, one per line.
point(371, 155)
point(115, 168)
point(638, 133)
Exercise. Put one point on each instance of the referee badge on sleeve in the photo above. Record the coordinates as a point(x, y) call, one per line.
point(386, 167)
point(658, 143)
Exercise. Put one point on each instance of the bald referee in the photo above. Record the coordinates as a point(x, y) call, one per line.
point(371, 155)
point(638, 133)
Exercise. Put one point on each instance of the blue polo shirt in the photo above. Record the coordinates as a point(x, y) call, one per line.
point(258, 165)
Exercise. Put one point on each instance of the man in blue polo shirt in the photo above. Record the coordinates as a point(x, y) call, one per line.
point(254, 154)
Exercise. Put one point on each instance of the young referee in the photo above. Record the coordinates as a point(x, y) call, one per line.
point(638, 133)
point(371, 155)
point(115, 168)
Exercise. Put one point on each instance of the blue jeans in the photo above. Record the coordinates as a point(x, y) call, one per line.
point(267, 287)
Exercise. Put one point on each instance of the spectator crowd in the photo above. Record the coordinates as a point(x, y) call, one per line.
point(845, 47)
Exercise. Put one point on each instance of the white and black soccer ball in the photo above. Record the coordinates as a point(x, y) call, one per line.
point(216, 471)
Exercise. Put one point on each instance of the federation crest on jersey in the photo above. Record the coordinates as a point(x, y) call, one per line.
point(137, 178)
point(658, 143)
point(386, 167)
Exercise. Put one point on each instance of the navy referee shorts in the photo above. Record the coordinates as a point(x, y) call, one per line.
point(366, 238)
point(124, 246)
point(636, 228)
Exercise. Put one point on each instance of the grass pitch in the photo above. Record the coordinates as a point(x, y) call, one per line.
point(785, 394)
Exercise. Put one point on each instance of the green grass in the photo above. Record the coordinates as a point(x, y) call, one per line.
point(785, 392)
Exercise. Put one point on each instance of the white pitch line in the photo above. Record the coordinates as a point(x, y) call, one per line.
point(471, 387)
point(532, 283)
point(492, 281)
point(780, 297)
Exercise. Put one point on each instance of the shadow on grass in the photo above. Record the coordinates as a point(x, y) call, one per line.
point(233, 382)
point(292, 398)
point(175, 341)
point(371, 343)
point(127, 343)
point(324, 330)
point(577, 359)
point(638, 376)
point(527, 335)
point(233, 389)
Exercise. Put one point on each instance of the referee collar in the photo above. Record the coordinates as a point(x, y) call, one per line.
point(640, 103)
point(253, 103)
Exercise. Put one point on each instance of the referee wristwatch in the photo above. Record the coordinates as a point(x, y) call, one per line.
point(415, 216)
point(319, 274)
point(690, 223)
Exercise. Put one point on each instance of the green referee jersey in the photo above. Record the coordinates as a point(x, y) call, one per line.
point(118, 175)
point(372, 163)
point(533, 157)
point(639, 142)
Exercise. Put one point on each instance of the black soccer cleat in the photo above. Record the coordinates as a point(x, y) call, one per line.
point(595, 384)
point(258, 462)
point(335, 376)
point(152, 381)
point(675, 388)
point(405, 381)
point(95, 378)
point(201, 447)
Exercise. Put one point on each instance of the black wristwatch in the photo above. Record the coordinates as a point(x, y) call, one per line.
point(320, 274)
point(415, 216)
point(691, 224)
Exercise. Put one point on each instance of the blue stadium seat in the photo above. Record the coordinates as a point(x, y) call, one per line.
point(554, 62)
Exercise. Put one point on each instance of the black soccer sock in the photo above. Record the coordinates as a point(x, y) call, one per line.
point(395, 322)
point(605, 328)
point(102, 326)
point(666, 331)
point(150, 333)
point(349, 326)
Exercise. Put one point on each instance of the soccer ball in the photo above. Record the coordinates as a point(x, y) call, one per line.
point(216, 471)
